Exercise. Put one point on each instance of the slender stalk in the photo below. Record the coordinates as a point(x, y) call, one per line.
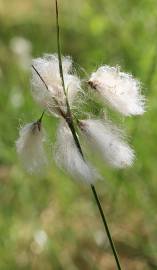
point(59, 48)
point(72, 128)
point(106, 227)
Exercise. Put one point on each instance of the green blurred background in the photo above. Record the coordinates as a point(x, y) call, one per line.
point(51, 222)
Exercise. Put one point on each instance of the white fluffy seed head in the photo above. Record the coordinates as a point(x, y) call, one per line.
point(120, 90)
point(53, 99)
point(109, 141)
point(30, 147)
point(68, 157)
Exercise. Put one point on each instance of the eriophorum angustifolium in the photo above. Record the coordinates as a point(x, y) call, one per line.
point(121, 91)
point(68, 156)
point(108, 140)
point(53, 98)
point(30, 147)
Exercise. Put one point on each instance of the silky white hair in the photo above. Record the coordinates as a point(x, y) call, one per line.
point(67, 156)
point(120, 90)
point(53, 98)
point(30, 147)
point(109, 141)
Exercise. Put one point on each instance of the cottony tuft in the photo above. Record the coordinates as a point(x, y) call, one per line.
point(30, 147)
point(53, 99)
point(109, 141)
point(67, 156)
point(120, 90)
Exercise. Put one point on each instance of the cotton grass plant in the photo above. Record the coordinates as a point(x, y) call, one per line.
point(58, 90)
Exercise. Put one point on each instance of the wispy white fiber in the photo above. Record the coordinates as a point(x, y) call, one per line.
point(30, 147)
point(67, 156)
point(54, 99)
point(109, 141)
point(120, 90)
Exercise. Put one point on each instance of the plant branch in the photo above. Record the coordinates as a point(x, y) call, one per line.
point(72, 128)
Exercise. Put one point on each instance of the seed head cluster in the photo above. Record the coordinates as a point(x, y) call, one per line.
point(117, 89)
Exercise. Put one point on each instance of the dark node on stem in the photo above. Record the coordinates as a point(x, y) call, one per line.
point(91, 84)
point(36, 127)
point(68, 117)
point(39, 125)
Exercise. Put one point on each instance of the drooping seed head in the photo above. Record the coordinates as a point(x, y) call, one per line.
point(109, 141)
point(67, 156)
point(120, 90)
point(30, 147)
point(53, 98)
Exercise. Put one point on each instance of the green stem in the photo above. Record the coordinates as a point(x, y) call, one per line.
point(59, 48)
point(106, 227)
point(73, 131)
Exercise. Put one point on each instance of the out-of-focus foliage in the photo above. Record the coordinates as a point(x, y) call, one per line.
point(50, 222)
